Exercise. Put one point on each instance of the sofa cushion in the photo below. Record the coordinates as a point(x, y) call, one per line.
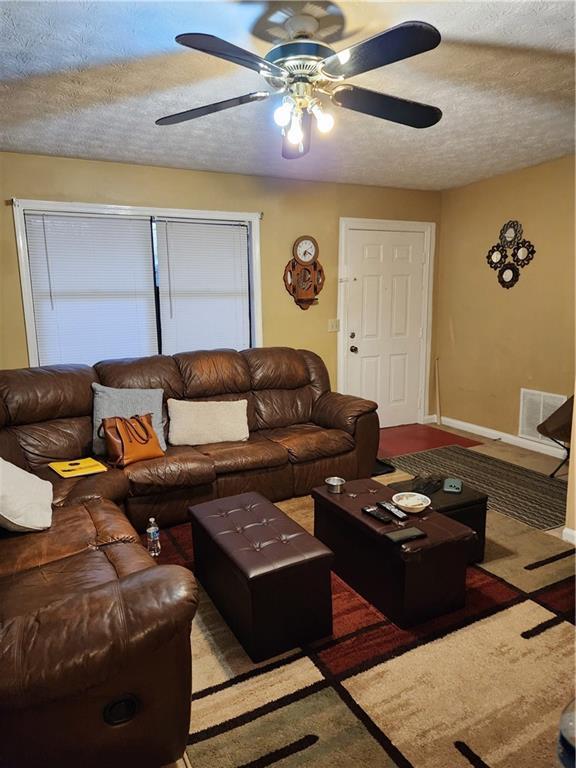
point(25, 500)
point(32, 589)
point(75, 529)
point(198, 423)
point(181, 466)
point(56, 440)
point(112, 485)
point(31, 395)
point(255, 453)
point(154, 372)
point(276, 368)
point(283, 407)
point(125, 402)
point(306, 442)
point(216, 372)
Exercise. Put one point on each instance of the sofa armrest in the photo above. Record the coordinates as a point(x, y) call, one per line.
point(335, 411)
point(79, 642)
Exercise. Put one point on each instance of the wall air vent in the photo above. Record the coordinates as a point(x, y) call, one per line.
point(535, 407)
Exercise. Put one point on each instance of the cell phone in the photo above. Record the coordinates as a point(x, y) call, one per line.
point(452, 485)
point(406, 534)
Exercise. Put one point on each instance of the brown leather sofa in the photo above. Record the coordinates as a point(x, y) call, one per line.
point(300, 431)
point(94, 645)
point(92, 632)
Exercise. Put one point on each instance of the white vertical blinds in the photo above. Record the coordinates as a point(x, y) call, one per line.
point(92, 287)
point(204, 285)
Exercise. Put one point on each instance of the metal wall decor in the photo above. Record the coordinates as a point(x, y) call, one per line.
point(510, 234)
point(522, 253)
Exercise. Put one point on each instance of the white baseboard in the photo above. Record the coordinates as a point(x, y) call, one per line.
point(494, 434)
point(430, 419)
point(568, 534)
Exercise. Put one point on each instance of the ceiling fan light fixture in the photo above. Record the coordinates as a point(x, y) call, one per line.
point(306, 71)
point(295, 134)
point(324, 120)
point(283, 114)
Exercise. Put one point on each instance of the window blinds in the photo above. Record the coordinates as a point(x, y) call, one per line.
point(92, 287)
point(204, 285)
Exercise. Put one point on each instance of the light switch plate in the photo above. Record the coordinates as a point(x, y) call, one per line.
point(333, 325)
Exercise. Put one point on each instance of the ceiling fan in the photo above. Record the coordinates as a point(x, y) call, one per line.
point(308, 73)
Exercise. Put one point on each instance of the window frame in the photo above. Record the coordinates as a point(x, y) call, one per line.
point(21, 207)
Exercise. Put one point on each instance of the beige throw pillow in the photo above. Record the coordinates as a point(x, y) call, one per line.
point(25, 500)
point(198, 423)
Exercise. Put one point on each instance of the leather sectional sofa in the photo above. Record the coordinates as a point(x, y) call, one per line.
point(92, 631)
point(300, 431)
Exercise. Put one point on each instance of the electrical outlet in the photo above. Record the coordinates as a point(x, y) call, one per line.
point(333, 325)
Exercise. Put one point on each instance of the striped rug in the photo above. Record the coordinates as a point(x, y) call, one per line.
point(533, 498)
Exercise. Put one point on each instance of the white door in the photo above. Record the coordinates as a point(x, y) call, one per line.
point(384, 320)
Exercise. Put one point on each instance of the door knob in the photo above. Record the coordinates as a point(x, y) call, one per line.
point(354, 349)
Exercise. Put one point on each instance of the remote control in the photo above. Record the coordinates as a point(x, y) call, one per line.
point(376, 513)
point(389, 507)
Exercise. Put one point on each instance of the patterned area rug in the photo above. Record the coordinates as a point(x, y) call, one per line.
point(483, 686)
point(531, 497)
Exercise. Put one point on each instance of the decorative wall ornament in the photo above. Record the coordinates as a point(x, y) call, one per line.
point(508, 275)
point(304, 275)
point(522, 253)
point(510, 234)
point(496, 256)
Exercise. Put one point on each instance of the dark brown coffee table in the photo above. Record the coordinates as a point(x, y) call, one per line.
point(467, 507)
point(408, 583)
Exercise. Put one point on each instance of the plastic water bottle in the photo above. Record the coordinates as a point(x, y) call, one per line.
point(153, 537)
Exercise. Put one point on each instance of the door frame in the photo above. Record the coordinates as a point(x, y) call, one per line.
point(428, 229)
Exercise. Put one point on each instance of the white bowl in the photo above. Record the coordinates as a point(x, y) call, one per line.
point(411, 502)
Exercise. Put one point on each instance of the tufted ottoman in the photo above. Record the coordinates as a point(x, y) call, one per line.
point(268, 577)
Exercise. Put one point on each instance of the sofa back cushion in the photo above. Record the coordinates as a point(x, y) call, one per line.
point(154, 372)
point(217, 375)
point(31, 395)
point(282, 386)
point(215, 372)
point(48, 411)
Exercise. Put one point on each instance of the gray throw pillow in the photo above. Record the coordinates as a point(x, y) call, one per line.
point(109, 401)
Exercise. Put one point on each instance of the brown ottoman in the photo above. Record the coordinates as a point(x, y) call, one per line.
point(267, 576)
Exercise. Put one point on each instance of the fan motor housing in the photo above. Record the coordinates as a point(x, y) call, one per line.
point(300, 57)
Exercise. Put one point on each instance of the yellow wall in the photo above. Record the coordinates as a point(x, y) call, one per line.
point(491, 341)
point(291, 208)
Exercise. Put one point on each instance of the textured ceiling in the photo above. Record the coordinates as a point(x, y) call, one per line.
point(88, 79)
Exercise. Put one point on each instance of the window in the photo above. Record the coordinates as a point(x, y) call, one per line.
point(92, 287)
point(100, 282)
point(204, 286)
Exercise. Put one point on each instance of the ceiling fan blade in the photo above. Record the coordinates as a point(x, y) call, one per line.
point(208, 109)
point(381, 105)
point(215, 46)
point(395, 44)
point(292, 151)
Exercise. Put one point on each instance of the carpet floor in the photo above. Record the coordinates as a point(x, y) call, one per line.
point(410, 438)
point(483, 686)
point(529, 496)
